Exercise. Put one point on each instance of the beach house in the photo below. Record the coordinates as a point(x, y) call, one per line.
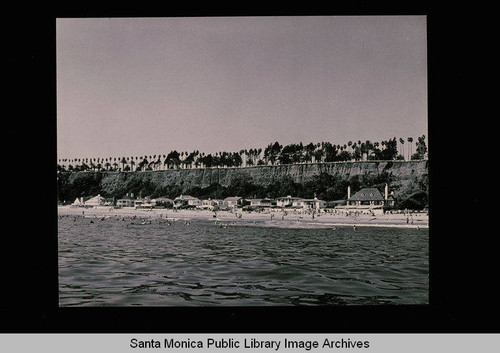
point(163, 202)
point(309, 204)
point(257, 204)
point(138, 202)
point(260, 202)
point(142, 203)
point(211, 204)
point(232, 201)
point(366, 197)
point(369, 199)
point(186, 201)
point(287, 201)
point(302, 203)
point(126, 201)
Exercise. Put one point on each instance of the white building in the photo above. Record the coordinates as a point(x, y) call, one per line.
point(232, 202)
point(126, 201)
point(287, 201)
point(308, 204)
point(211, 204)
point(186, 200)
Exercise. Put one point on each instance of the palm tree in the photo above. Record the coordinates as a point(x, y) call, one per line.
point(363, 149)
point(410, 140)
point(369, 148)
point(402, 142)
point(245, 153)
point(318, 154)
point(241, 152)
point(376, 150)
point(158, 163)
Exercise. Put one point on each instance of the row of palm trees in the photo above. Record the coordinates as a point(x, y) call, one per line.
point(273, 154)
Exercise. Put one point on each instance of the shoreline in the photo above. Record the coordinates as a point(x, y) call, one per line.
point(268, 218)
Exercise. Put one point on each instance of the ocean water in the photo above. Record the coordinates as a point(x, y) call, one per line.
point(119, 261)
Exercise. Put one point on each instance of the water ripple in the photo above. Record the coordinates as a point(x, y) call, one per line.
point(113, 262)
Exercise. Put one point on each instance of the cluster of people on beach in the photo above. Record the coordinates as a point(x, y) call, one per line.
point(278, 216)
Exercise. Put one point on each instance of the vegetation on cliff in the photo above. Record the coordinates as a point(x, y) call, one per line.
point(328, 187)
point(323, 169)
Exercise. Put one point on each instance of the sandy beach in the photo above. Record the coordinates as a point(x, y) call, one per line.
point(274, 218)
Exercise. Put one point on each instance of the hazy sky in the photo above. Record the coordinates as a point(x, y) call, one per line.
point(144, 86)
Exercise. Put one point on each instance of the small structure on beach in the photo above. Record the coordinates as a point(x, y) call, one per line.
point(309, 204)
point(96, 201)
point(163, 202)
point(365, 197)
point(368, 199)
point(211, 204)
point(186, 201)
point(138, 202)
point(126, 201)
point(233, 202)
point(318, 204)
point(265, 202)
point(301, 203)
point(287, 201)
point(141, 203)
point(78, 202)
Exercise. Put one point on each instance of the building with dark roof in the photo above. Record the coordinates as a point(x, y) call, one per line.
point(370, 197)
point(365, 197)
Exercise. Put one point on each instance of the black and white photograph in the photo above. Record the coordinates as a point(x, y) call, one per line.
point(242, 161)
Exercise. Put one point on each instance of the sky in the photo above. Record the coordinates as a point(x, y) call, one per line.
point(144, 86)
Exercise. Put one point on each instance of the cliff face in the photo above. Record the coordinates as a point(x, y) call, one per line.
point(403, 172)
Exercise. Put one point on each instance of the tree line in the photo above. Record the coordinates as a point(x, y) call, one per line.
point(273, 154)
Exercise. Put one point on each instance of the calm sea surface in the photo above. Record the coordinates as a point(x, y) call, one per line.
point(111, 262)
